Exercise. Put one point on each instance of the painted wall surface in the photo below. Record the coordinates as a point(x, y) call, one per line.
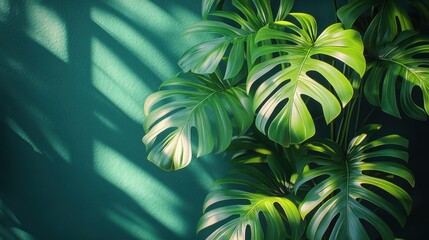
point(74, 76)
point(73, 79)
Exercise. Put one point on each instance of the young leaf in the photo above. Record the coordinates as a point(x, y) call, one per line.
point(282, 78)
point(213, 109)
point(346, 180)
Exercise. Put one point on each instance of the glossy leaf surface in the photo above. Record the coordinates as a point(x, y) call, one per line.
point(347, 181)
point(208, 105)
point(405, 60)
point(239, 203)
point(282, 77)
point(233, 34)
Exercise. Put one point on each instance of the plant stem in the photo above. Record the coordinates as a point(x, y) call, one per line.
point(337, 139)
point(348, 121)
point(335, 10)
point(358, 114)
point(368, 115)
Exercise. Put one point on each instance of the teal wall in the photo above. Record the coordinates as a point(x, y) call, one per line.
point(73, 79)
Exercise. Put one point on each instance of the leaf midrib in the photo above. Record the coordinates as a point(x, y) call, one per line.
point(193, 109)
point(253, 207)
point(408, 69)
point(347, 191)
point(297, 80)
point(196, 106)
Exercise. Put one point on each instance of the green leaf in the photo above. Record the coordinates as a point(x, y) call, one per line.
point(346, 181)
point(207, 6)
point(387, 20)
point(256, 148)
point(406, 59)
point(282, 77)
point(350, 12)
point(204, 57)
point(249, 149)
point(231, 39)
point(239, 203)
point(205, 104)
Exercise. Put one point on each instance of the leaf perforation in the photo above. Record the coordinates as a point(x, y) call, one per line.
point(196, 120)
point(294, 123)
point(355, 183)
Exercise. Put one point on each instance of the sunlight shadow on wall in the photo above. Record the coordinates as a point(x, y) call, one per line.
point(135, 42)
point(47, 28)
point(20, 132)
point(5, 9)
point(10, 225)
point(74, 78)
point(167, 21)
point(132, 223)
point(117, 82)
point(106, 122)
point(202, 173)
point(154, 197)
point(45, 124)
point(39, 119)
point(161, 20)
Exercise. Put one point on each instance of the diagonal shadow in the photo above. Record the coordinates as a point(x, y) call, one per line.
point(55, 197)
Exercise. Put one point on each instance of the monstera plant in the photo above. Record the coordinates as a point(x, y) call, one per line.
point(287, 103)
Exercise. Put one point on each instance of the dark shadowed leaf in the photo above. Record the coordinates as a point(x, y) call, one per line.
point(389, 19)
point(405, 60)
point(345, 180)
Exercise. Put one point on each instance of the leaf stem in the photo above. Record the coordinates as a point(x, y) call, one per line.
point(348, 121)
point(368, 115)
point(335, 10)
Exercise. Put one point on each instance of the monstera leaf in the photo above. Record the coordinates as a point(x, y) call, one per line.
point(282, 77)
point(390, 19)
point(348, 183)
point(256, 148)
point(406, 59)
point(239, 204)
point(207, 104)
point(205, 57)
point(259, 189)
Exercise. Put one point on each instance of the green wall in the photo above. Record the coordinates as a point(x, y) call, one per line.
point(73, 79)
point(74, 76)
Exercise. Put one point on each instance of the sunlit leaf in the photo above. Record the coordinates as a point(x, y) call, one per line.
point(282, 77)
point(231, 39)
point(406, 60)
point(239, 204)
point(209, 106)
point(345, 181)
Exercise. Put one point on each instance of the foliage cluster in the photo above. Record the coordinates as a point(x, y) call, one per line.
point(286, 102)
